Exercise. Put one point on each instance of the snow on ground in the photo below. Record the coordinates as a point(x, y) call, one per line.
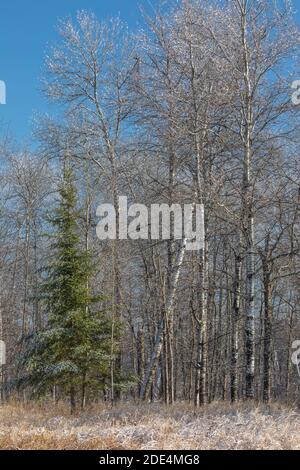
point(217, 426)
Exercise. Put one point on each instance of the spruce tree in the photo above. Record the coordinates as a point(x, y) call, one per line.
point(73, 351)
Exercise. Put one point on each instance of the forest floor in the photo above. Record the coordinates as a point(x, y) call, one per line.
point(216, 426)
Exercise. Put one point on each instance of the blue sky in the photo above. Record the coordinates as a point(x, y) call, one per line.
point(27, 28)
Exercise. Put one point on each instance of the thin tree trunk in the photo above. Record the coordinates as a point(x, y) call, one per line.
point(83, 391)
point(267, 331)
point(234, 328)
point(140, 358)
point(72, 399)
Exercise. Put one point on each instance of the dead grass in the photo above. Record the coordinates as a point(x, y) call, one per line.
point(217, 426)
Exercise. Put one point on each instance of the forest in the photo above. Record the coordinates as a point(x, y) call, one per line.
point(198, 105)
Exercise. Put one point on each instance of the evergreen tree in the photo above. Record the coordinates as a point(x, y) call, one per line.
point(73, 351)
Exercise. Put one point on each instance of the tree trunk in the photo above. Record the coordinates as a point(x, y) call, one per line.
point(234, 328)
point(267, 331)
point(72, 400)
point(248, 220)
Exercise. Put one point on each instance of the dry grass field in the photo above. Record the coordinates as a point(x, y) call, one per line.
point(217, 426)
